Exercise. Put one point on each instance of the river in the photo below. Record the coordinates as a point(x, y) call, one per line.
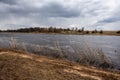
point(110, 45)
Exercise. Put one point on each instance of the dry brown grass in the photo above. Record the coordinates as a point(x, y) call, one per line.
point(97, 59)
point(15, 66)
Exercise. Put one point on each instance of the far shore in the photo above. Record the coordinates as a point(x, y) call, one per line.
point(105, 33)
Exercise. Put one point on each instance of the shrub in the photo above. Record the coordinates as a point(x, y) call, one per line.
point(87, 32)
point(101, 32)
point(118, 32)
point(93, 31)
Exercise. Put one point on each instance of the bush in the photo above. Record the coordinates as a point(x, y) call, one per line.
point(93, 31)
point(87, 32)
point(118, 32)
point(101, 32)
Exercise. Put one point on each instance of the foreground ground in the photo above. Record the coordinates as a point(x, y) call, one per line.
point(19, 66)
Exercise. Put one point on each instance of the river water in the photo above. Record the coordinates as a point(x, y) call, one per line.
point(110, 45)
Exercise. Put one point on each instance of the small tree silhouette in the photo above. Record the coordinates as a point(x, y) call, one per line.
point(101, 32)
point(118, 32)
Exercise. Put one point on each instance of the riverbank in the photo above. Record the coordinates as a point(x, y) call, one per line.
point(104, 33)
point(15, 65)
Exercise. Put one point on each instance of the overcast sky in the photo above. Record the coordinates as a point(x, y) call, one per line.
point(91, 14)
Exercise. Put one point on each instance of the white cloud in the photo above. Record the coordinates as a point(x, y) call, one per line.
point(91, 14)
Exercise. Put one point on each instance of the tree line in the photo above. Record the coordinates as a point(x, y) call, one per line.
point(51, 29)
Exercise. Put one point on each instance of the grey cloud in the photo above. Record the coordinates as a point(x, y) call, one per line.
point(92, 8)
point(47, 10)
point(10, 2)
point(57, 13)
point(113, 18)
point(55, 9)
point(110, 20)
point(58, 10)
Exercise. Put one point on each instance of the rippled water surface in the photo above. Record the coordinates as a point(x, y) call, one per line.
point(110, 45)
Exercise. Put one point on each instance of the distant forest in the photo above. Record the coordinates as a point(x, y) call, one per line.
point(56, 30)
